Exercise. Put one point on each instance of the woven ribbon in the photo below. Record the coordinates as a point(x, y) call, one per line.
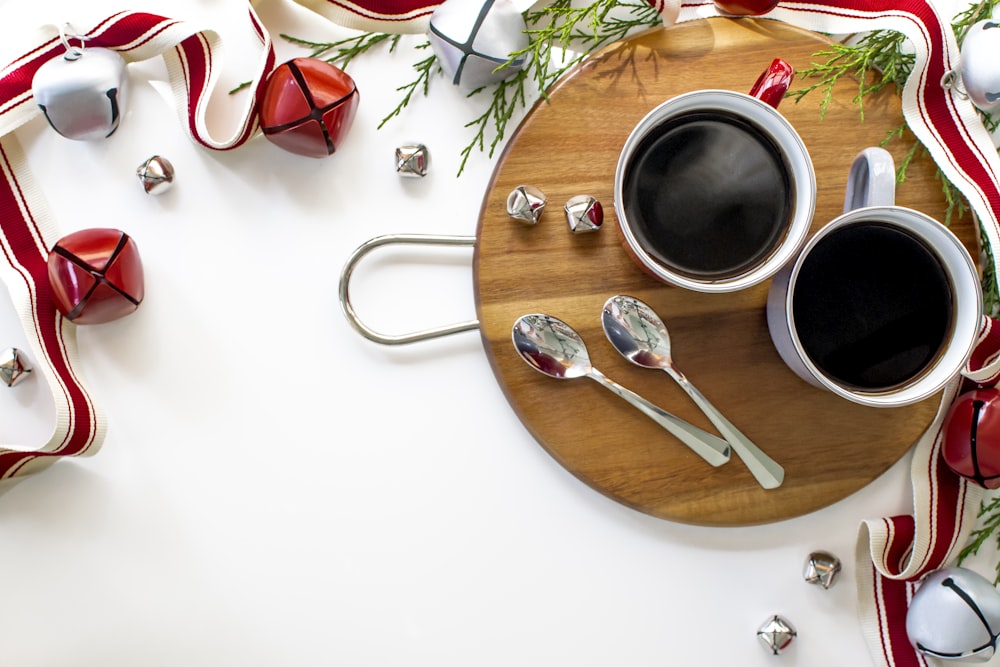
point(893, 553)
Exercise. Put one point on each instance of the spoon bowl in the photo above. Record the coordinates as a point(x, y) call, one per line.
point(639, 335)
point(554, 348)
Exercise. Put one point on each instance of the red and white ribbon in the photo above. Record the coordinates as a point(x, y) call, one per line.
point(394, 16)
point(28, 230)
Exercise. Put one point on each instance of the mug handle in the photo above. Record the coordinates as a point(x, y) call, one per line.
point(871, 181)
point(773, 83)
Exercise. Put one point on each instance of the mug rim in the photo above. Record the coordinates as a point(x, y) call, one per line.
point(965, 323)
point(772, 124)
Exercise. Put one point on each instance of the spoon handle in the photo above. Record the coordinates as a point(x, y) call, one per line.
point(707, 446)
point(765, 470)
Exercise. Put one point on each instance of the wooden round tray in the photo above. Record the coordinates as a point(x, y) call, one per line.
point(828, 446)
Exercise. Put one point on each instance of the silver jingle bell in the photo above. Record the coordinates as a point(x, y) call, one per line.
point(82, 94)
point(14, 368)
point(980, 74)
point(955, 615)
point(412, 160)
point(776, 634)
point(156, 175)
point(472, 40)
point(822, 568)
point(526, 203)
point(584, 214)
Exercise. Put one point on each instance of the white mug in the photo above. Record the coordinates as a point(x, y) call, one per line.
point(868, 350)
point(736, 234)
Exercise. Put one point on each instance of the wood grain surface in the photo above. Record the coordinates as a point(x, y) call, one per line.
point(828, 446)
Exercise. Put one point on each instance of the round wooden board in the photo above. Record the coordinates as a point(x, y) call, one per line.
point(829, 447)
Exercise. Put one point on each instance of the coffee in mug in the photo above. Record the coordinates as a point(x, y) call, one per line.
point(883, 305)
point(714, 189)
point(708, 195)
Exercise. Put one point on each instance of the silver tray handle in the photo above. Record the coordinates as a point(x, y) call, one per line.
point(398, 239)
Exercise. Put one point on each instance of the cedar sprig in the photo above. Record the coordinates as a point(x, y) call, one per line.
point(878, 59)
point(988, 531)
point(342, 51)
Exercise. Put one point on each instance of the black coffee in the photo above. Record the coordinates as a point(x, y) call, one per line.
point(708, 195)
point(872, 306)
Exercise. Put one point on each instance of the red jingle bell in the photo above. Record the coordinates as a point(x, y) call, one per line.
point(971, 445)
point(95, 275)
point(307, 106)
point(746, 7)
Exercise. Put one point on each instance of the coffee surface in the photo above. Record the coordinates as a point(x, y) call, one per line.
point(708, 195)
point(872, 306)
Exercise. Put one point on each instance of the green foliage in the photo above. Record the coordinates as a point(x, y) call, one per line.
point(876, 61)
point(987, 531)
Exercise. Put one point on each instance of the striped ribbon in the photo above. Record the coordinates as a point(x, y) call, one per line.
point(899, 549)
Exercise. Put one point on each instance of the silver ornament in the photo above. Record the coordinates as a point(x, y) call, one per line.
point(526, 203)
point(822, 568)
point(584, 214)
point(979, 65)
point(412, 160)
point(156, 175)
point(955, 615)
point(14, 368)
point(471, 40)
point(776, 634)
point(82, 93)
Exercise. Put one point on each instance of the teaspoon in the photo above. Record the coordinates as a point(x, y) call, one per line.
point(638, 333)
point(552, 347)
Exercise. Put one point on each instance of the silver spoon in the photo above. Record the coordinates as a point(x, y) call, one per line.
point(552, 347)
point(640, 336)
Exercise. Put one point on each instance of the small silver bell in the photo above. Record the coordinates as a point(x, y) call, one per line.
point(13, 366)
point(584, 214)
point(776, 634)
point(822, 568)
point(156, 175)
point(82, 93)
point(526, 203)
point(412, 160)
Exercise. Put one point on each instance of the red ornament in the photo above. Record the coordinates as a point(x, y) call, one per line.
point(307, 107)
point(971, 445)
point(95, 275)
point(746, 7)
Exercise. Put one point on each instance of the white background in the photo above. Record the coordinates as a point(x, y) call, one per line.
point(276, 490)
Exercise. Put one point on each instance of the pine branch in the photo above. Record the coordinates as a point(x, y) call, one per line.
point(343, 51)
point(988, 530)
point(425, 69)
point(878, 60)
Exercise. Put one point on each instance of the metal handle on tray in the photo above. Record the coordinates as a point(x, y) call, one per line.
point(398, 239)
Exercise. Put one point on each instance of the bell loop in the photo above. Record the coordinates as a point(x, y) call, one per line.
point(952, 80)
point(66, 33)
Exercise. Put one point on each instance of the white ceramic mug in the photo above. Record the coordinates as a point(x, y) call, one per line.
point(869, 205)
point(713, 231)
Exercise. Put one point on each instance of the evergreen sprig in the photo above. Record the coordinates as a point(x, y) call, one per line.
point(988, 531)
point(876, 61)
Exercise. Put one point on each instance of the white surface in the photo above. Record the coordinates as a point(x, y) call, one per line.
point(276, 490)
